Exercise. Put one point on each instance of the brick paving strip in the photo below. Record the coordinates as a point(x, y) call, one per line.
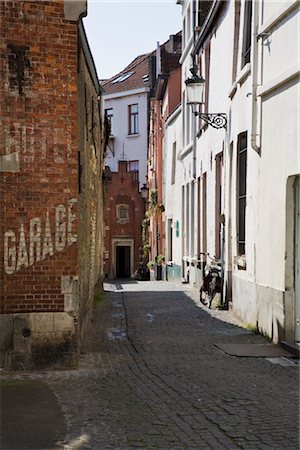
point(152, 378)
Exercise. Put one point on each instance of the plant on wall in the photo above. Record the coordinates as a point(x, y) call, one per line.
point(155, 207)
point(145, 236)
point(160, 260)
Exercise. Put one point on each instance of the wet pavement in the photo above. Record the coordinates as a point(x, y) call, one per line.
point(152, 377)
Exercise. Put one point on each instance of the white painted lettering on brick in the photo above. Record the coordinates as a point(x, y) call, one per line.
point(71, 218)
point(41, 242)
point(22, 251)
point(35, 240)
point(10, 253)
point(47, 245)
point(60, 228)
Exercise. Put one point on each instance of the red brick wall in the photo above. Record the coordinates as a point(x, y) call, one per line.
point(38, 100)
point(123, 188)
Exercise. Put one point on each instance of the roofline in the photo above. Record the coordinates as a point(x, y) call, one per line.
point(212, 15)
point(89, 57)
point(128, 68)
point(125, 93)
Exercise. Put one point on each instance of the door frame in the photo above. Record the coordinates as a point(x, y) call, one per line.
point(290, 305)
point(122, 242)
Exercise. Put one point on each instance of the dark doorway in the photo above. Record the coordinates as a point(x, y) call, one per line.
point(123, 261)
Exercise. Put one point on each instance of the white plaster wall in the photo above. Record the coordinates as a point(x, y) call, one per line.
point(280, 158)
point(281, 49)
point(172, 200)
point(135, 146)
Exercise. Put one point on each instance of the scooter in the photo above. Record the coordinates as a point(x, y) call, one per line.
point(212, 281)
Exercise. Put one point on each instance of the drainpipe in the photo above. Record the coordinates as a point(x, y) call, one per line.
point(194, 118)
point(256, 74)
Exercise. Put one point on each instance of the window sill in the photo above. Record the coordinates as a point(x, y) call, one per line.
point(133, 135)
point(243, 75)
point(203, 127)
point(240, 262)
point(233, 90)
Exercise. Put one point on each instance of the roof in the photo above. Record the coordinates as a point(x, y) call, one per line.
point(134, 76)
point(139, 73)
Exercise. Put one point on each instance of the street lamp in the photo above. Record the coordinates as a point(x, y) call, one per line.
point(144, 192)
point(195, 87)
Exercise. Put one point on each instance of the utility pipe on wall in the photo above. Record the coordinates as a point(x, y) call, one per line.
point(256, 75)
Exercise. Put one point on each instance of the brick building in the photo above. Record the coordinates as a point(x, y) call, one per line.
point(127, 106)
point(124, 212)
point(165, 98)
point(52, 143)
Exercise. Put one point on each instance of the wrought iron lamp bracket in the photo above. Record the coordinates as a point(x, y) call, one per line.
point(216, 120)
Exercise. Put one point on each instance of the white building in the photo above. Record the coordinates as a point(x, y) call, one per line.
point(172, 174)
point(241, 184)
point(126, 105)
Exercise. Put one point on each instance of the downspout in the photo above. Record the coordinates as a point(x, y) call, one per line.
point(256, 74)
point(194, 117)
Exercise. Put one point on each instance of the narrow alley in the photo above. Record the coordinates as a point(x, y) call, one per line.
point(152, 377)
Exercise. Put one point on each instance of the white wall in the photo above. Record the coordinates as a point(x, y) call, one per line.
point(134, 146)
point(172, 196)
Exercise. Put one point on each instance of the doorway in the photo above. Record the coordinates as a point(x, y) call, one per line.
point(297, 259)
point(123, 261)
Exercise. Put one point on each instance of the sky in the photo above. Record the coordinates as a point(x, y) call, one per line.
point(119, 31)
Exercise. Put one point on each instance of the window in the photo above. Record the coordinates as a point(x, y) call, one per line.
point(204, 213)
point(218, 205)
point(206, 77)
point(247, 33)
point(109, 114)
point(133, 166)
point(173, 164)
point(122, 214)
point(133, 119)
point(198, 216)
point(170, 240)
point(237, 12)
point(241, 191)
point(122, 77)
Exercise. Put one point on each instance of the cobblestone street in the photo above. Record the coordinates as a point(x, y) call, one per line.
point(152, 378)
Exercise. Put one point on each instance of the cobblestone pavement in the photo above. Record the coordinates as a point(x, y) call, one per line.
point(152, 378)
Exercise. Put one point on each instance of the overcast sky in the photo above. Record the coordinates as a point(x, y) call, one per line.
point(118, 31)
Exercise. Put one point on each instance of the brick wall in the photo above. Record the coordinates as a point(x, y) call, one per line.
point(122, 189)
point(39, 100)
point(90, 203)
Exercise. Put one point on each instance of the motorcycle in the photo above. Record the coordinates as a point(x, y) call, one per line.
point(212, 281)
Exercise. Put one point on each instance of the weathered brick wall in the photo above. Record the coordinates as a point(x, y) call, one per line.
point(90, 204)
point(40, 296)
point(123, 188)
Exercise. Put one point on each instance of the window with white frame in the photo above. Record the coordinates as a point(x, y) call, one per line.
point(246, 50)
point(241, 191)
point(173, 163)
point(109, 113)
point(133, 119)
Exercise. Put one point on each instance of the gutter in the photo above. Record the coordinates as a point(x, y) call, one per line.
point(212, 15)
